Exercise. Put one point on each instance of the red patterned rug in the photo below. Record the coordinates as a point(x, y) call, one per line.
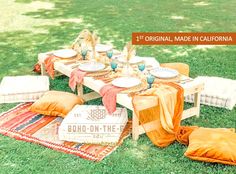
point(21, 124)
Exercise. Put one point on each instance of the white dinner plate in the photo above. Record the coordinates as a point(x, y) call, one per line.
point(133, 60)
point(65, 53)
point(102, 48)
point(164, 73)
point(126, 82)
point(91, 66)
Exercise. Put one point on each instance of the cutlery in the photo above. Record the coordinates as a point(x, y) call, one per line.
point(185, 81)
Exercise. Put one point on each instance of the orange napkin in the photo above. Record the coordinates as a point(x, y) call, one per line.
point(37, 68)
point(76, 77)
point(108, 93)
point(49, 65)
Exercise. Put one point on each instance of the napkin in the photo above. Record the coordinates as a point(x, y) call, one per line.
point(159, 111)
point(108, 93)
point(76, 77)
point(49, 65)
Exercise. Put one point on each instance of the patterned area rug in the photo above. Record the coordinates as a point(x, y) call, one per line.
point(21, 124)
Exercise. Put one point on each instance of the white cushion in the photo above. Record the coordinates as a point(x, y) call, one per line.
point(218, 92)
point(92, 124)
point(23, 88)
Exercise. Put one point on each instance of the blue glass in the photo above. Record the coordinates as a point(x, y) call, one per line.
point(150, 80)
point(141, 67)
point(84, 53)
point(114, 65)
point(109, 54)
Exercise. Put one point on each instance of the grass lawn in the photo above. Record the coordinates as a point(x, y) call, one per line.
point(30, 27)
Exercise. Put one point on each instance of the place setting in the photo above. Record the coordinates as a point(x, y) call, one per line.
point(95, 65)
point(93, 54)
point(129, 72)
point(65, 53)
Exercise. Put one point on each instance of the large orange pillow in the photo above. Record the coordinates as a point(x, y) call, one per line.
point(182, 68)
point(212, 145)
point(56, 103)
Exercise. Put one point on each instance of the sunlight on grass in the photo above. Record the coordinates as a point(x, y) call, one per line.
point(9, 164)
point(202, 3)
point(205, 47)
point(144, 147)
point(197, 26)
point(177, 17)
point(13, 18)
point(165, 50)
point(180, 53)
point(137, 153)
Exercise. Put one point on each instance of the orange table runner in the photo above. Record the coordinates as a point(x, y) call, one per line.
point(161, 107)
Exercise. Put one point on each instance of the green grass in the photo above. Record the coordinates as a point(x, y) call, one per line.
point(46, 29)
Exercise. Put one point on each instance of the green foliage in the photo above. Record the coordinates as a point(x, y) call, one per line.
point(115, 21)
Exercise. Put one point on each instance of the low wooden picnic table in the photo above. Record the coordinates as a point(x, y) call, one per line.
point(192, 87)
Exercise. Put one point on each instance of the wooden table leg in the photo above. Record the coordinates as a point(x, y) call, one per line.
point(197, 103)
point(80, 90)
point(43, 70)
point(135, 126)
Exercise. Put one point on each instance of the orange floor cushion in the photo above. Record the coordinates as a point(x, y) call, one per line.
point(56, 103)
point(212, 145)
point(182, 68)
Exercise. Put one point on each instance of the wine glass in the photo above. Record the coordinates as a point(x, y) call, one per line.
point(84, 51)
point(150, 80)
point(109, 54)
point(141, 67)
point(114, 65)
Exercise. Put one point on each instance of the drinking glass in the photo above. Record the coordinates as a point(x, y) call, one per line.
point(84, 51)
point(141, 67)
point(109, 54)
point(150, 80)
point(114, 65)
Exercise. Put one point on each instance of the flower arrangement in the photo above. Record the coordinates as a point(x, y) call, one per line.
point(129, 51)
point(87, 38)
